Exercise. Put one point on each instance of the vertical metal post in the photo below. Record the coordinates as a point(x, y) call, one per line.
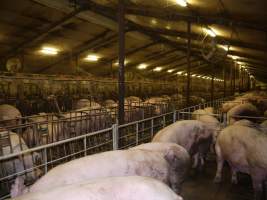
point(121, 81)
point(174, 116)
point(231, 79)
point(45, 160)
point(224, 81)
point(115, 136)
point(242, 79)
point(85, 146)
point(188, 64)
point(152, 128)
point(137, 134)
point(212, 84)
point(234, 78)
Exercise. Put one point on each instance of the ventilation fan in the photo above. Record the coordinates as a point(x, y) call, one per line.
point(13, 65)
point(211, 50)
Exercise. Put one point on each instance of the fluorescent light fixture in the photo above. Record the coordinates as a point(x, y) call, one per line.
point(154, 21)
point(170, 70)
point(157, 69)
point(92, 58)
point(182, 3)
point(199, 76)
point(193, 75)
point(142, 66)
point(225, 47)
point(233, 57)
point(49, 51)
point(179, 73)
point(210, 32)
point(125, 62)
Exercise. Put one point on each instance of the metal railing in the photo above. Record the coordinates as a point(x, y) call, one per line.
point(32, 161)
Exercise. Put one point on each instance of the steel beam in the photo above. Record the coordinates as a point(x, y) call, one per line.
point(188, 64)
point(38, 37)
point(207, 20)
point(121, 81)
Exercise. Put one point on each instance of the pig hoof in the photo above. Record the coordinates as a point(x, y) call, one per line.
point(217, 179)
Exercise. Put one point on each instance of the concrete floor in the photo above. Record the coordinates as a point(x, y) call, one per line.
point(201, 186)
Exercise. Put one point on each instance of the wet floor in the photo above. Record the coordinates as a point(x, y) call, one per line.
point(201, 186)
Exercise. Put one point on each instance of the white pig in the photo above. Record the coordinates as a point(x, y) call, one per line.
point(21, 163)
point(246, 109)
point(244, 148)
point(163, 167)
point(193, 135)
point(10, 115)
point(110, 188)
point(183, 159)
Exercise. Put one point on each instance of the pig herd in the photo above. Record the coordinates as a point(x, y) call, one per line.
point(157, 170)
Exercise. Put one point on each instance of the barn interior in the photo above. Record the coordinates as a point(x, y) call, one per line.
point(109, 74)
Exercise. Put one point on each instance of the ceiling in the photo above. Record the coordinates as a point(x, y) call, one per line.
point(156, 35)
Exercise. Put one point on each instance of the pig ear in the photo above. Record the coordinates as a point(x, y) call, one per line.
point(170, 156)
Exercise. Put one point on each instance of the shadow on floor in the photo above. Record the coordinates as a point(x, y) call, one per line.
point(201, 186)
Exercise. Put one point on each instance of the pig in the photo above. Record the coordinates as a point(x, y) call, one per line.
point(209, 110)
point(83, 121)
point(12, 143)
point(159, 103)
point(245, 122)
point(197, 113)
point(246, 109)
point(110, 103)
point(193, 135)
point(132, 101)
point(158, 165)
point(184, 157)
point(213, 124)
point(45, 129)
point(244, 148)
point(9, 115)
point(86, 103)
point(109, 188)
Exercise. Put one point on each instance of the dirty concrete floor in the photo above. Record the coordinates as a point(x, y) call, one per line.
point(201, 186)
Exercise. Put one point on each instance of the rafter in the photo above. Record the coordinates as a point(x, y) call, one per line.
point(208, 20)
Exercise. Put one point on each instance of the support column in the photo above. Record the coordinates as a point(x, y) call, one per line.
point(224, 81)
point(231, 80)
point(212, 83)
point(242, 79)
point(188, 88)
point(234, 78)
point(121, 80)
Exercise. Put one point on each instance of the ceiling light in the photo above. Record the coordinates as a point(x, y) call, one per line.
point(233, 57)
point(157, 69)
point(49, 51)
point(92, 58)
point(182, 3)
point(170, 70)
point(125, 62)
point(179, 73)
point(199, 76)
point(142, 66)
point(225, 47)
point(210, 32)
point(193, 75)
point(154, 21)
point(168, 27)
